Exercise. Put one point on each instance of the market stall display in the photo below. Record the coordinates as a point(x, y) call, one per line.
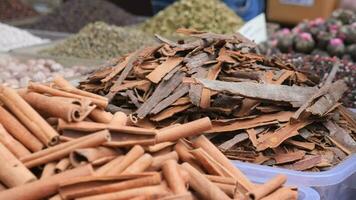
point(116, 160)
point(263, 110)
point(101, 41)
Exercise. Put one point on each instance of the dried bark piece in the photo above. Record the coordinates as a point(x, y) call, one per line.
point(206, 93)
point(169, 112)
point(281, 158)
point(11, 144)
point(307, 163)
point(282, 134)
point(195, 91)
point(295, 95)
point(340, 138)
point(162, 91)
point(267, 188)
point(161, 70)
point(302, 145)
point(117, 69)
point(228, 144)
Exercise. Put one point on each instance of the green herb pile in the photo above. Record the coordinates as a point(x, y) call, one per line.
point(101, 41)
point(208, 15)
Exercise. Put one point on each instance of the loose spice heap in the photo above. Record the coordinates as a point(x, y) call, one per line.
point(209, 15)
point(15, 9)
point(12, 38)
point(104, 156)
point(262, 109)
point(101, 41)
point(73, 15)
point(16, 74)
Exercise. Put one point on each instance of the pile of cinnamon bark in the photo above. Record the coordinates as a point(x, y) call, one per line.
point(263, 110)
point(58, 143)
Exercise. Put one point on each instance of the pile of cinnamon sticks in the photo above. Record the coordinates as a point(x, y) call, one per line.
point(262, 109)
point(58, 143)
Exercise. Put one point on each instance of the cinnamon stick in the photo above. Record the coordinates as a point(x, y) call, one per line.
point(45, 187)
point(267, 188)
point(139, 165)
point(158, 161)
point(119, 118)
point(63, 150)
point(48, 170)
point(184, 130)
point(91, 155)
point(172, 176)
point(100, 116)
point(282, 194)
point(203, 186)
point(18, 131)
point(12, 172)
point(62, 165)
point(28, 116)
point(11, 144)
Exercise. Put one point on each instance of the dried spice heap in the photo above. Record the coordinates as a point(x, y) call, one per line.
point(209, 15)
point(73, 15)
point(101, 41)
point(15, 9)
point(262, 109)
point(103, 156)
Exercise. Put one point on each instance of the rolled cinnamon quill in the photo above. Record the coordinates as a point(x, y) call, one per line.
point(139, 165)
point(63, 150)
point(119, 119)
point(282, 194)
point(18, 131)
point(44, 89)
point(45, 187)
point(268, 187)
point(157, 191)
point(28, 116)
point(90, 155)
point(203, 186)
point(64, 108)
point(158, 161)
point(12, 172)
point(185, 130)
point(101, 116)
point(48, 170)
point(174, 179)
point(13, 145)
point(101, 185)
point(118, 165)
point(210, 148)
point(62, 165)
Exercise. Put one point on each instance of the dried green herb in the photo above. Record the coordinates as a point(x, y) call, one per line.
point(101, 41)
point(207, 15)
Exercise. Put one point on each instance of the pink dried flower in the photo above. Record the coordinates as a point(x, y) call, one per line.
point(305, 36)
point(336, 42)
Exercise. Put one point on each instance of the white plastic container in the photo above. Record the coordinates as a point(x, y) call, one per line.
point(338, 183)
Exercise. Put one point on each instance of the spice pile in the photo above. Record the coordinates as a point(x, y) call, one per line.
point(17, 74)
point(12, 38)
point(107, 157)
point(101, 41)
point(335, 36)
point(262, 109)
point(15, 9)
point(209, 15)
point(73, 15)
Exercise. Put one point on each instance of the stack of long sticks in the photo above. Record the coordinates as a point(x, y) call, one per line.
point(56, 142)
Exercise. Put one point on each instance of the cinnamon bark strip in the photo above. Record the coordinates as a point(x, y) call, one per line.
point(54, 107)
point(62, 165)
point(118, 165)
point(45, 187)
point(12, 172)
point(203, 186)
point(158, 161)
point(18, 131)
point(28, 116)
point(186, 196)
point(44, 89)
point(159, 146)
point(88, 186)
point(161, 70)
point(91, 155)
point(210, 148)
point(221, 179)
point(139, 165)
point(156, 191)
point(48, 170)
point(282, 194)
point(119, 118)
point(172, 176)
point(63, 150)
point(267, 188)
point(184, 154)
point(227, 188)
point(185, 130)
point(11, 144)
point(100, 116)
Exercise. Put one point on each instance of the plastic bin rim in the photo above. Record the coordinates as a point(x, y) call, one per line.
point(337, 174)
